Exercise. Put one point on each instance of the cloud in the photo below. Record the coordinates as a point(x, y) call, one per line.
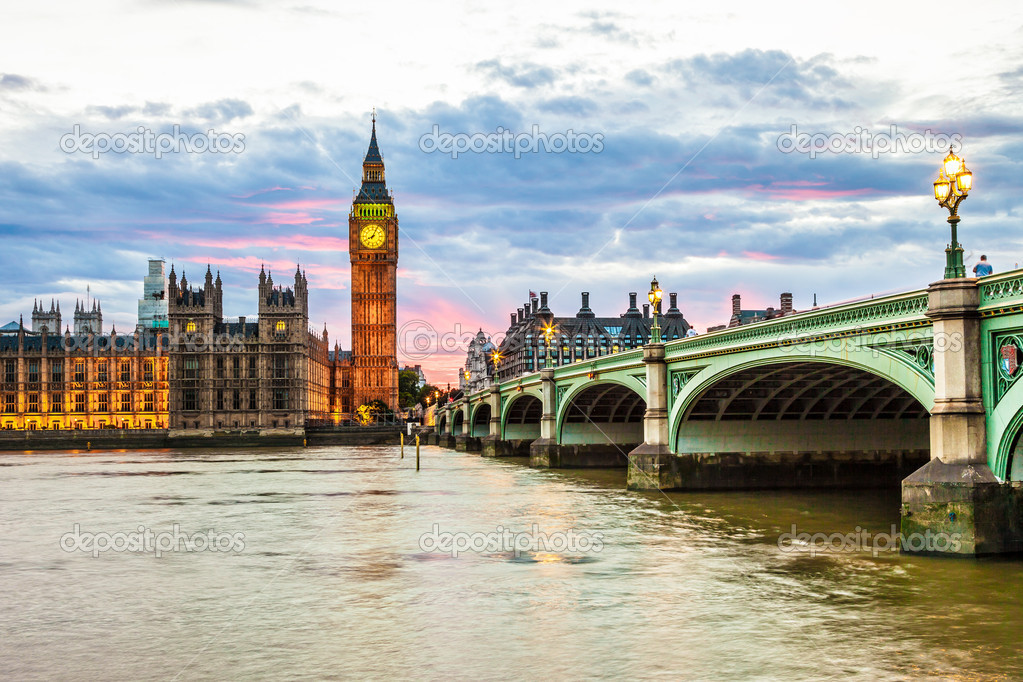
point(224, 110)
point(639, 77)
point(524, 75)
point(12, 81)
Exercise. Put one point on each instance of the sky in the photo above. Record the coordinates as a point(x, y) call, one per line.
point(685, 167)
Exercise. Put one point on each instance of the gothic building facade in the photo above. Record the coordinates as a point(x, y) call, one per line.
point(187, 368)
point(373, 250)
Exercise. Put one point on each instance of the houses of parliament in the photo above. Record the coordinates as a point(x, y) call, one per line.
point(185, 368)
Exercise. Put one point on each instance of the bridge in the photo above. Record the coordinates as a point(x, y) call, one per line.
point(919, 387)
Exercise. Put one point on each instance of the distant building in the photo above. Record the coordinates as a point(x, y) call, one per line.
point(581, 337)
point(742, 317)
point(88, 321)
point(418, 369)
point(478, 372)
point(43, 321)
point(153, 304)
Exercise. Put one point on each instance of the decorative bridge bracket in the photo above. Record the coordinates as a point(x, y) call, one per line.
point(677, 381)
point(558, 395)
point(919, 355)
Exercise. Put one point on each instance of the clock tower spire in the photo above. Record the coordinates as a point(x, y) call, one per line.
point(373, 248)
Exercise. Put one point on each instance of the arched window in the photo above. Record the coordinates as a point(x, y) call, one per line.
point(282, 327)
point(190, 327)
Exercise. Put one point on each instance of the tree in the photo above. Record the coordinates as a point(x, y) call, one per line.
point(428, 395)
point(408, 388)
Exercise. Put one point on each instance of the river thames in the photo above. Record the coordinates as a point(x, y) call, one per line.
point(321, 570)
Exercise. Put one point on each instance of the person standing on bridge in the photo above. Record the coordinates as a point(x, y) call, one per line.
point(983, 268)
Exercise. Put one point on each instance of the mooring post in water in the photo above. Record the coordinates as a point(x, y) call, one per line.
point(401, 436)
point(304, 443)
point(88, 445)
point(417, 452)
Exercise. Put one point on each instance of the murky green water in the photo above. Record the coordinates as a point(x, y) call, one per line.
point(332, 581)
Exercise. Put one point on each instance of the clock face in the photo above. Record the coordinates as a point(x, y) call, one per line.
point(372, 236)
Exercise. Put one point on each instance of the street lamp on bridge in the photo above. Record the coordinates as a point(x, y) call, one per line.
point(548, 332)
point(655, 301)
point(952, 186)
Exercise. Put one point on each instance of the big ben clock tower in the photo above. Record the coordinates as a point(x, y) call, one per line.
point(373, 247)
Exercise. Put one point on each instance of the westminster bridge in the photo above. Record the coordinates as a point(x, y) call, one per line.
point(919, 387)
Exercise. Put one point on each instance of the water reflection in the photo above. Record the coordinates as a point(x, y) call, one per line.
point(333, 581)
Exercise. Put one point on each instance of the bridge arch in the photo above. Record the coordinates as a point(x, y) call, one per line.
point(825, 409)
point(480, 427)
point(521, 418)
point(606, 411)
point(442, 422)
point(458, 422)
point(1005, 435)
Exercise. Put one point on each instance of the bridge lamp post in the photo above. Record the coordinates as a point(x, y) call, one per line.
point(952, 186)
point(655, 301)
point(548, 332)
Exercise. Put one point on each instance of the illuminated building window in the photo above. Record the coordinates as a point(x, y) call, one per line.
point(147, 371)
point(79, 402)
point(101, 371)
point(103, 404)
point(79, 372)
point(125, 370)
point(11, 403)
point(33, 402)
point(190, 327)
point(147, 402)
point(126, 402)
point(56, 402)
point(281, 327)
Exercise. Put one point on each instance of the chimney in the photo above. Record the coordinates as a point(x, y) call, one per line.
point(632, 299)
point(522, 314)
point(736, 305)
point(534, 302)
point(786, 303)
point(241, 323)
point(543, 299)
point(586, 299)
point(646, 310)
point(513, 318)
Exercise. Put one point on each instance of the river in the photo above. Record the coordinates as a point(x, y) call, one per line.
point(334, 563)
